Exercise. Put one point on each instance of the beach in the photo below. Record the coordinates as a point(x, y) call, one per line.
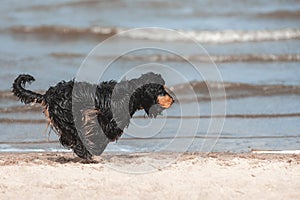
point(189, 175)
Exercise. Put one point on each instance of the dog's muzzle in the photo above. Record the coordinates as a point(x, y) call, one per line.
point(165, 101)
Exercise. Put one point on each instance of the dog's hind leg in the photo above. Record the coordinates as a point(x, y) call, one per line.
point(81, 151)
point(76, 145)
point(90, 133)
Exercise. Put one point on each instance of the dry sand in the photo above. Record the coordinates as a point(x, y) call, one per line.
point(190, 176)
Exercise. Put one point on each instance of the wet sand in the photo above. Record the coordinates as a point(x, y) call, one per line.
point(112, 176)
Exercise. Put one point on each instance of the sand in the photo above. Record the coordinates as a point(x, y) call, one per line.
point(150, 176)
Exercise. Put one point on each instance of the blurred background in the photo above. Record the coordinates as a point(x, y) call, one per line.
point(255, 45)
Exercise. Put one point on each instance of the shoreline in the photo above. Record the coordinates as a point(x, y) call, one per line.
point(150, 175)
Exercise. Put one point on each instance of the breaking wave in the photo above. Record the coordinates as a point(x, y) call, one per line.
point(225, 36)
point(200, 58)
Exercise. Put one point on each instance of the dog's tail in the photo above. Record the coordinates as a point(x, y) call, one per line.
point(26, 96)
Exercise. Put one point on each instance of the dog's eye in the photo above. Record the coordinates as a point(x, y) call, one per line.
point(163, 93)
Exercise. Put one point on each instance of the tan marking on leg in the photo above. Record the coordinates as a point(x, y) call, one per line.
point(89, 115)
point(46, 112)
point(47, 115)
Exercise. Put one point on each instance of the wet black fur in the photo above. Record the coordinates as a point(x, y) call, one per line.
point(81, 112)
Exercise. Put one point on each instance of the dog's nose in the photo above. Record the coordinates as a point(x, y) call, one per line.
point(165, 101)
point(172, 99)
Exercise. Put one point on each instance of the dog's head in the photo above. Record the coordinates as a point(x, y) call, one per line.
point(153, 94)
point(155, 99)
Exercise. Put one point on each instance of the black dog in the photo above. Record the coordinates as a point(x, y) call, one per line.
point(87, 116)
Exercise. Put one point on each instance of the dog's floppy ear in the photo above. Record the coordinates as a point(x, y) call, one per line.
point(154, 111)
